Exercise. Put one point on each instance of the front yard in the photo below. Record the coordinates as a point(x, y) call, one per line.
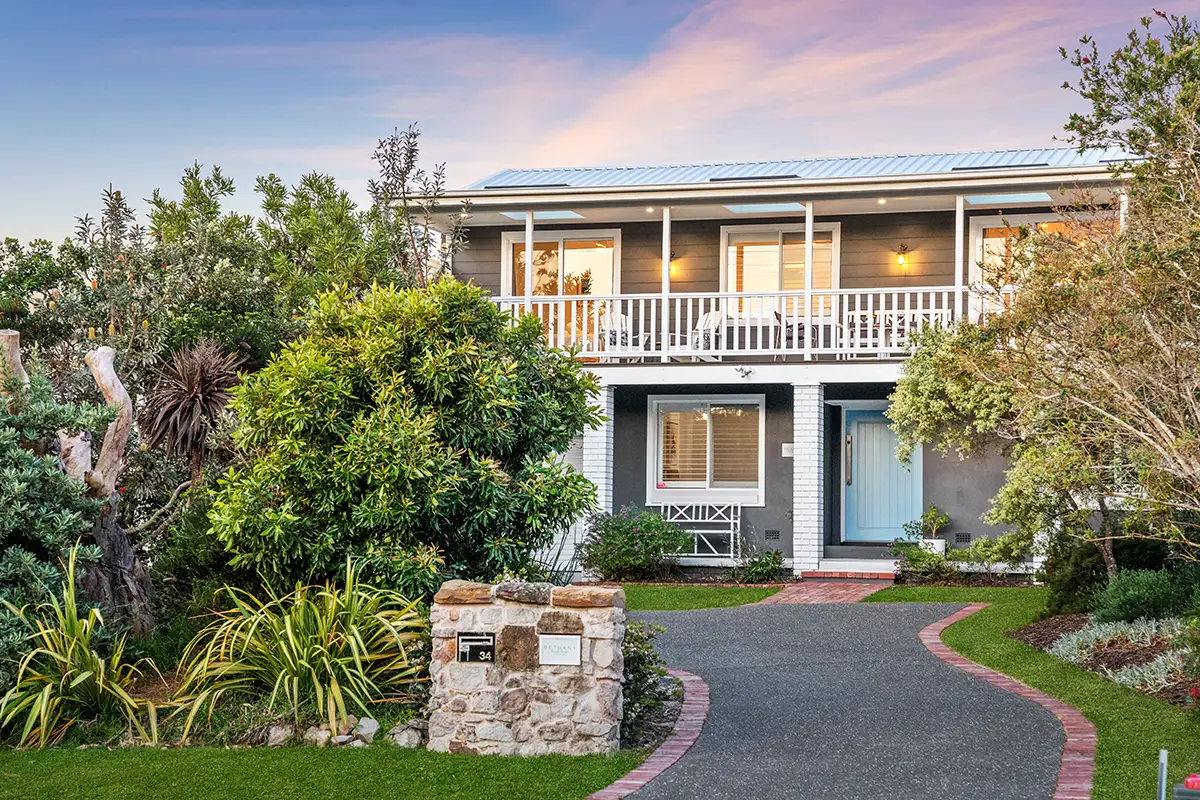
point(1132, 728)
point(298, 773)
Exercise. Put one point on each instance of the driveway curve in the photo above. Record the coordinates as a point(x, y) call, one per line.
point(843, 701)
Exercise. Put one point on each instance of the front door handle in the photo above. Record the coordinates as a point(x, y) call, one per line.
point(849, 459)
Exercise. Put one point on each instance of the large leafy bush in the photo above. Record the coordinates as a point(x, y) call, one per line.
point(320, 649)
point(633, 543)
point(1074, 571)
point(407, 417)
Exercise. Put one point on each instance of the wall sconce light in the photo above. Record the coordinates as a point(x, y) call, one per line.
point(674, 265)
point(902, 256)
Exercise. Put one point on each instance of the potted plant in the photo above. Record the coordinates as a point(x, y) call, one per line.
point(924, 530)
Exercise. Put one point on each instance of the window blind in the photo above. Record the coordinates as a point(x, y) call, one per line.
point(684, 445)
point(735, 445)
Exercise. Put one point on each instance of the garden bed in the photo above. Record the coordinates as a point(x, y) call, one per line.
point(1142, 655)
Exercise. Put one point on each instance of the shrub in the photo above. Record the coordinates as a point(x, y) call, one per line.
point(1074, 570)
point(914, 564)
point(1149, 594)
point(63, 679)
point(321, 649)
point(641, 681)
point(404, 418)
point(999, 555)
point(757, 566)
point(631, 544)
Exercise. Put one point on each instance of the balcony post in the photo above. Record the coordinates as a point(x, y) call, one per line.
point(666, 282)
point(1123, 214)
point(528, 261)
point(808, 277)
point(959, 265)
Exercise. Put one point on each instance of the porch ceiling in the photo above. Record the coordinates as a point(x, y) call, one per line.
point(591, 215)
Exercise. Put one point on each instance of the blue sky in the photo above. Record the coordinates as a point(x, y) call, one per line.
point(129, 93)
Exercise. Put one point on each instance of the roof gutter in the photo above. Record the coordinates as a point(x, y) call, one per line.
point(958, 182)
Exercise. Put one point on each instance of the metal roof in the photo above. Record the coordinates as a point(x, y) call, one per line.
point(802, 169)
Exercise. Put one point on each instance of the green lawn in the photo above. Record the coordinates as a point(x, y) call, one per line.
point(297, 773)
point(639, 597)
point(1131, 727)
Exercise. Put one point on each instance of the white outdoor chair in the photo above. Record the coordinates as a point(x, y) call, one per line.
point(707, 336)
point(617, 336)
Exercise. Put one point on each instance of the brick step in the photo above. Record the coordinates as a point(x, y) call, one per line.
point(866, 576)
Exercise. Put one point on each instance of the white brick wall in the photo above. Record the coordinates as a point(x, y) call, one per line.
point(598, 452)
point(808, 475)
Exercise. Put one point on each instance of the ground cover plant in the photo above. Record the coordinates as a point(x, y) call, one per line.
point(1132, 727)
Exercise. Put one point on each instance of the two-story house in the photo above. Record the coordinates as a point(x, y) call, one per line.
point(747, 322)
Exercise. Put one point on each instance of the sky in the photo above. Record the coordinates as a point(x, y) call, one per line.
point(129, 93)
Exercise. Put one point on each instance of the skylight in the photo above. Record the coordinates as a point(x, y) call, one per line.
point(765, 208)
point(519, 216)
point(1008, 199)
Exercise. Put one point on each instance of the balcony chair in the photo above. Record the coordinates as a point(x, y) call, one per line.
point(708, 335)
point(617, 337)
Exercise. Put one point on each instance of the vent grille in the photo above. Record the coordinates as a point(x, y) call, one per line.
point(772, 535)
point(962, 538)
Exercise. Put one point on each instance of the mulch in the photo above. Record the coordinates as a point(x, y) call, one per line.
point(1117, 654)
point(1045, 632)
point(1180, 692)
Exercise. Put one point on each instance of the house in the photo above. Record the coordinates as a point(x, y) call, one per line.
point(747, 322)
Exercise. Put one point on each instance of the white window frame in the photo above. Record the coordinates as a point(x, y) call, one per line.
point(702, 494)
point(975, 272)
point(509, 238)
point(780, 229)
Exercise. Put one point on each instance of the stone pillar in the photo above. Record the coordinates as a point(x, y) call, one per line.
point(511, 703)
point(598, 452)
point(808, 476)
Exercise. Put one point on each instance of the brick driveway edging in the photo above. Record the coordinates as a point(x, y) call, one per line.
point(683, 736)
point(1078, 765)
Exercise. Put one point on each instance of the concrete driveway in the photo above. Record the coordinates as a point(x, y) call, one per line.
point(843, 701)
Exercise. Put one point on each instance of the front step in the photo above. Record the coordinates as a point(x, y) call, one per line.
point(862, 568)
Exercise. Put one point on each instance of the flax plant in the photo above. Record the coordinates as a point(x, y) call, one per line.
point(328, 648)
point(62, 679)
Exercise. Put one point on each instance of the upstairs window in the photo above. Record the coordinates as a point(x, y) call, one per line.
point(766, 258)
point(564, 263)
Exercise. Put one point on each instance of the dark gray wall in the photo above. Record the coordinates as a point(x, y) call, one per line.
point(629, 456)
point(964, 490)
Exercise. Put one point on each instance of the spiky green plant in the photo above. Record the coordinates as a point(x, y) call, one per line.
point(62, 679)
point(321, 648)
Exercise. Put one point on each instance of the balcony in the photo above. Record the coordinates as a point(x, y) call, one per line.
point(715, 326)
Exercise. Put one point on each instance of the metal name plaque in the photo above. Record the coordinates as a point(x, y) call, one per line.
point(560, 649)
point(475, 647)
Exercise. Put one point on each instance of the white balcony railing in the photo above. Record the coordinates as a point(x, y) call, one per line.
point(841, 323)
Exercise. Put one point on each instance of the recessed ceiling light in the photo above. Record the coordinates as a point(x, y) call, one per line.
point(882, 201)
point(649, 209)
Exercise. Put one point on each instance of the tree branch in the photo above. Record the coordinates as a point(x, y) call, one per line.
point(103, 477)
point(169, 507)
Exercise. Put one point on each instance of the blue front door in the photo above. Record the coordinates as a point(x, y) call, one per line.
point(881, 493)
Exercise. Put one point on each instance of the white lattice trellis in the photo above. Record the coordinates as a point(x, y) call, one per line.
point(714, 528)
